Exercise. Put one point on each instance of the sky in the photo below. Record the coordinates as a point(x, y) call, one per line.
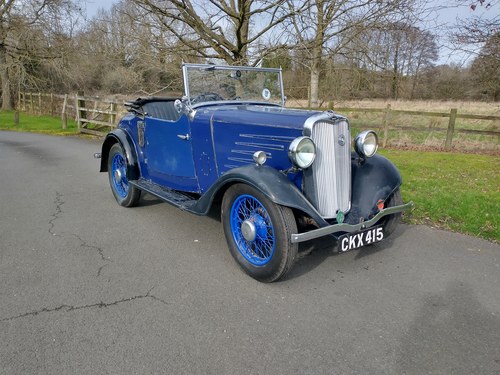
point(93, 6)
point(447, 15)
point(450, 16)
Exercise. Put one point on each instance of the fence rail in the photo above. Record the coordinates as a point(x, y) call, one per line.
point(96, 116)
point(451, 130)
point(93, 115)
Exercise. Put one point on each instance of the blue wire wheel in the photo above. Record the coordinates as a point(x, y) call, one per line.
point(252, 230)
point(119, 175)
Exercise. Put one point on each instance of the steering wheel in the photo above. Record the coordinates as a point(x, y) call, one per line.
point(207, 97)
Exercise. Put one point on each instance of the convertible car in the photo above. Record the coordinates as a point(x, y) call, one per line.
point(281, 176)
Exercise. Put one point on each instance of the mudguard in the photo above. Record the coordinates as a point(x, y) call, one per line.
point(373, 179)
point(271, 182)
point(124, 139)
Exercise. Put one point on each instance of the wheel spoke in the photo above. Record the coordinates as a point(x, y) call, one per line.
point(261, 249)
point(118, 165)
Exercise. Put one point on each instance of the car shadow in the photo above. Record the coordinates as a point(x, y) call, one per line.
point(313, 253)
point(149, 200)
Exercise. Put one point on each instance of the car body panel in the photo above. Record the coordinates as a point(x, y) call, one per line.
point(374, 179)
point(226, 136)
point(122, 137)
point(168, 154)
point(272, 183)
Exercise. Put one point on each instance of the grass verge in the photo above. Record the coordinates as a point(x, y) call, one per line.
point(458, 192)
point(36, 124)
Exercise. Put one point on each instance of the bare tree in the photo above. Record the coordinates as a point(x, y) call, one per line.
point(398, 49)
point(126, 50)
point(481, 26)
point(485, 69)
point(324, 27)
point(6, 23)
point(21, 23)
point(221, 29)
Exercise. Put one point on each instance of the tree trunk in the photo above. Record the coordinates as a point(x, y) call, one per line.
point(316, 68)
point(4, 78)
point(314, 91)
point(395, 77)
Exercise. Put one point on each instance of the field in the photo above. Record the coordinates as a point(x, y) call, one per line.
point(479, 108)
point(422, 131)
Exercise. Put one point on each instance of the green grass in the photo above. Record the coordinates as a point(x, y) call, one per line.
point(36, 124)
point(458, 192)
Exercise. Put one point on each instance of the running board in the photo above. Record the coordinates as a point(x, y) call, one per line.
point(174, 197)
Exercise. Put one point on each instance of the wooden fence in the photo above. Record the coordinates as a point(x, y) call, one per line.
point(93, 115)
point(97, 116)
point(451, 130)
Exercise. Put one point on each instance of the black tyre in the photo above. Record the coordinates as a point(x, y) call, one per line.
point(390, 222)
point(258, 233)
point(125, 194)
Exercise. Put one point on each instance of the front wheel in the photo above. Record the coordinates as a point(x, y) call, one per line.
point(390, 222)
point(258, 233)
point(125, 194)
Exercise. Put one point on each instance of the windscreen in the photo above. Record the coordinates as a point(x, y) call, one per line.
point(206, 83)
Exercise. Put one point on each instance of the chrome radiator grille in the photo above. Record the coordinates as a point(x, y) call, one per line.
point(327, 184)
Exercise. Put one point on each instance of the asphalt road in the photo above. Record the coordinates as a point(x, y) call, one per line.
point(89, 287)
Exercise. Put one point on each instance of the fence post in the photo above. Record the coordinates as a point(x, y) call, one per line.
point(387, 115)
point(32, 109)
point(40, 103)
point(64, 116)
point(451, 129)
point(112, 117)
point(16, 118)
point(79, 104)
point(52, 104)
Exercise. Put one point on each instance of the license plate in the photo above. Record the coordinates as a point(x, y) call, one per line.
point(356, 240)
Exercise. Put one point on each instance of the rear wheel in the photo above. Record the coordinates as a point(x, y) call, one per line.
point(125, 194)
point(258, 233)
point(391, 221)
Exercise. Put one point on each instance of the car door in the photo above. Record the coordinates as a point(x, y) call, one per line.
point(168, 153)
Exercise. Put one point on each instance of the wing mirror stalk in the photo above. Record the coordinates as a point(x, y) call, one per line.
point(183, 107)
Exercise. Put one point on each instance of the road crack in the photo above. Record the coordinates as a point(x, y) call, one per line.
point(58, 211)
point(99, 251)
point(69, 308)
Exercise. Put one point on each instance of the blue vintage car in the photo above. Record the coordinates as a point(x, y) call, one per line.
point(281, 176)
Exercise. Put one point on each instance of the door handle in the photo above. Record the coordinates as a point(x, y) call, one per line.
point(186, 137)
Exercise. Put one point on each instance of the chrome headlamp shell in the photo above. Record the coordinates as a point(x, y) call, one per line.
point(259, 157)
point(366, 143)
point(302, 152)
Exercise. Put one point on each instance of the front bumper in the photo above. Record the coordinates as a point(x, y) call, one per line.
point(349, 228)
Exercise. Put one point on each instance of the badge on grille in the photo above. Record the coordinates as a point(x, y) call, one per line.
point(342, 140)
point(340, 217)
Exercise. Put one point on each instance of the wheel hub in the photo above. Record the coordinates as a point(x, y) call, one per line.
point(248, 230)
point(118, 175)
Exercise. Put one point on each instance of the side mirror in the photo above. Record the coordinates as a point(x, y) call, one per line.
point(181, 106)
